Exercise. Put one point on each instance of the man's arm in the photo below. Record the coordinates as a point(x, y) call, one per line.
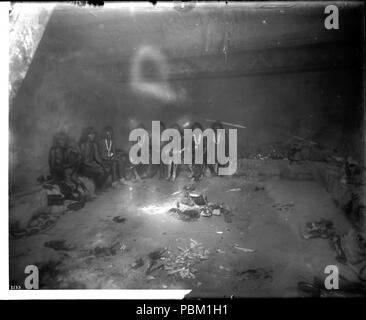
point(101, 146)
point(96, 153)
point(84, 154)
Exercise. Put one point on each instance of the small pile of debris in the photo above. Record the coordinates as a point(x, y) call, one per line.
point(184, 215)
point(59, 245)
point(183, 264)
point(324, 229)
point(40, 222)
point(274, 151)
point(194, 205)
point(283, 206)
point(154, 258)
point(319, 229)
point(102, 249)
point(350, 248)
point(119, 219)
point(256, 274)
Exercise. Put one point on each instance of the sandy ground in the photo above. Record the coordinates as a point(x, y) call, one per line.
point(258, 223)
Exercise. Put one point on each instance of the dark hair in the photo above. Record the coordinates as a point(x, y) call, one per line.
point(108, 128)
point(59, 135)
point(141, 126)
point(84, 135)
point(162, 126)
point(197, 125)
point(217, 125)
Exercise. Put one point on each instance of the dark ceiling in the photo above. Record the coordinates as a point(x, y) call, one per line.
point(231, 39)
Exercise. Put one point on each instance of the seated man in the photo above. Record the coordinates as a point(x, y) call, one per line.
point(110, 157)
point(163, 169)
point(141, 171)
point(91, 165)
point(174, 168)
point(197, 171)
point(64, 161)
point(214, 168)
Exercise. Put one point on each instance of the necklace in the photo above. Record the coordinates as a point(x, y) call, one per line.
point(141, 142)
point(109, 148)
point(197, 141)
point(217, 140)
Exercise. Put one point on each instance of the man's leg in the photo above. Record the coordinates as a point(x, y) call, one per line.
point(96, 173)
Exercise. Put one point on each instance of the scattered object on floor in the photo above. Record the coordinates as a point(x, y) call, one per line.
point(119, 219)
point(154, 257)
point(186, 201)
point(149, 278)
point(234, 190)
point(53, 193)
point(185, 215)
point(313, 289)
point(274, 151)
point(175, 193)
point(256, 274)
point(107, 250)
point(194, 205)
point(138, 263)
point(206, 212)
point(224, 268)
point(41, 222)
point(257, 188)
point(319, 229)
point(76, 205)
point(283, 206)
point(189, 188)
point(16, 232)
point(260, 156)
point(198, 199)
point(324, 229)
point(59, 245)
point(236, 246)
point(55, 199)
point(219, 232)
point(214, 206)
point(183, 264)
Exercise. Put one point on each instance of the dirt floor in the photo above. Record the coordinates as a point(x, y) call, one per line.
point(267, 217)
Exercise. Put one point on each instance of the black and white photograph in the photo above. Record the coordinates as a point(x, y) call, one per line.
point(185, 148)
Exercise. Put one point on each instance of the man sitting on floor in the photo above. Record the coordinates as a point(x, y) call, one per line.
point(92, 166)
point(64, 160)
point(111, 158)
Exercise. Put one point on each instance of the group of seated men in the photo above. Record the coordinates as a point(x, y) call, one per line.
point(98, 159)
